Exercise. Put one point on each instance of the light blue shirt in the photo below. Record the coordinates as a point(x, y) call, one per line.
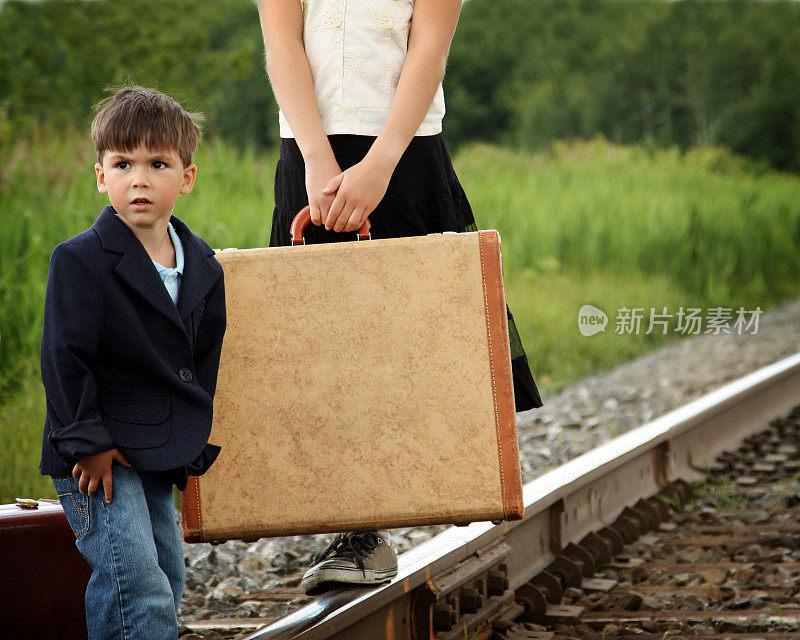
point(172, 277)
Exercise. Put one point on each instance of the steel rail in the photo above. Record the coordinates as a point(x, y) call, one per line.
point(561, 507)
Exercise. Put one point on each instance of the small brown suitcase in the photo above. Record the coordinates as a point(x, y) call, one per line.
point(361, 385)
point(44, 576)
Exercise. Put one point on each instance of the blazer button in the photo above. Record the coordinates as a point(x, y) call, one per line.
point(185, 375)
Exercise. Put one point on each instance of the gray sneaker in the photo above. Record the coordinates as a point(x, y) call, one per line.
point(352, 558)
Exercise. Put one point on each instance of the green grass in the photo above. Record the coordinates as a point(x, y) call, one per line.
point(583, 223)
point(545, 308)
point(720, 227)
point(721, 492)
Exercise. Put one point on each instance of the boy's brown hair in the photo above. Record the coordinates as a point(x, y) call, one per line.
point(135, 116)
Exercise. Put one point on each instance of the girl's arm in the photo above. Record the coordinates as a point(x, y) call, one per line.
point(362, 187)
point(290, 75)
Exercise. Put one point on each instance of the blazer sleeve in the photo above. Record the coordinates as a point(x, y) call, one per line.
point(208, 345)
point(73, 321)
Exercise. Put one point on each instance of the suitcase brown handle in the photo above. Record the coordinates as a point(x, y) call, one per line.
point(303, 218)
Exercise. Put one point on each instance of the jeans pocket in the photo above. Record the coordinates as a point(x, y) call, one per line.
point(74, 503)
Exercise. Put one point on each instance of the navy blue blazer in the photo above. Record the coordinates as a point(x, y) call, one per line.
point(122, 365)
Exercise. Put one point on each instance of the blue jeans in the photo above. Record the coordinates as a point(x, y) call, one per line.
point(134, 548)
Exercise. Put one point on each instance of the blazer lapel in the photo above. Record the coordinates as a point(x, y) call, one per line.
point(137, 269)
point(135, 266)
point(200, 270)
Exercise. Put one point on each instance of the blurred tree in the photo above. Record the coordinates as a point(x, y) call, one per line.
point(526, 72)
point(57, 58)
point(520, 72)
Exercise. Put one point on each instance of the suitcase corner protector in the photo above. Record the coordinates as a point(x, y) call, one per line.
point(515, 512)
point(193, 535)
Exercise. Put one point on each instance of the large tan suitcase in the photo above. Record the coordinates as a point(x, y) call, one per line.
point(362, 385)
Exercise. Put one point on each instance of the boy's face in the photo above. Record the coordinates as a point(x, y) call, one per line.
point(143, 185)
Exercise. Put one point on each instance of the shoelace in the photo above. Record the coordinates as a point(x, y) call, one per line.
point(355, 546)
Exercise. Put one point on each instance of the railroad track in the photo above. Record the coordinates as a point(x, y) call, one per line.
point(584, 540)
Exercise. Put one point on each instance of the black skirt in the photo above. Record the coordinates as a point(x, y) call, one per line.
point(424, 196)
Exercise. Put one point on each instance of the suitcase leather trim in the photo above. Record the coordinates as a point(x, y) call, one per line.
point(190, 514)
point(502, 389)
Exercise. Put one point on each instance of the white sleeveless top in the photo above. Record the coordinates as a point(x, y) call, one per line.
point(356, 50)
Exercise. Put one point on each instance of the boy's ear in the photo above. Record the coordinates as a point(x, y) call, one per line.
point(101, 178)
point(189, 175)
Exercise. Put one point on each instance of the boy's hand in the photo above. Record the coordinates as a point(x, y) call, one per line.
point(358, 191)
point(318, 175)
point(93, 469)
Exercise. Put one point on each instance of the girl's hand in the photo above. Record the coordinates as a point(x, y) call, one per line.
point(93, 469)
point(318, 175)
point(358, 191)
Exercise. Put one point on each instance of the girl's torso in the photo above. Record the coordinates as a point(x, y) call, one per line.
point(356, 50)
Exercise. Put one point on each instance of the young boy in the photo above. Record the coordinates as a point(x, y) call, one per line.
point(133, 325)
